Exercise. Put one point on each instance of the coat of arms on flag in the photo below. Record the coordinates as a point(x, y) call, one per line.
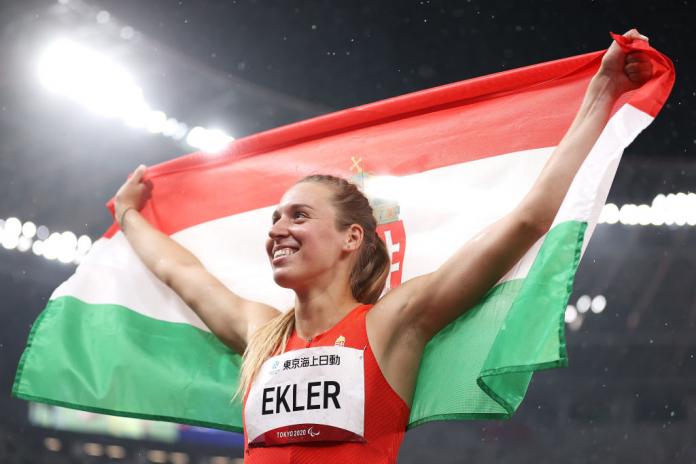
point(390, 227)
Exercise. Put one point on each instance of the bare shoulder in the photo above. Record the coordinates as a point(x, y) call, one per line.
point(259, 315)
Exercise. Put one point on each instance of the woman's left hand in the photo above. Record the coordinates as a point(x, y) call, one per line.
point(626, 71)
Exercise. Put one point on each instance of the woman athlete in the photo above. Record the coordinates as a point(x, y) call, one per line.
point(332, 379)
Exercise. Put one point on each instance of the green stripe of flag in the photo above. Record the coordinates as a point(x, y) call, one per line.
point(121, 362)
point(493, 349)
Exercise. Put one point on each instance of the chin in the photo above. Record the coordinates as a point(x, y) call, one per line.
point(284, 279)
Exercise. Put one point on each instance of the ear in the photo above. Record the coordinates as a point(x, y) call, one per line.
point(353, 237)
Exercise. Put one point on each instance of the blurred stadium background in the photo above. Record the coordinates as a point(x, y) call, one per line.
point(90, 89)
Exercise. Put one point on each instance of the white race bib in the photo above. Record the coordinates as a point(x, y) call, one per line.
point(308, 395)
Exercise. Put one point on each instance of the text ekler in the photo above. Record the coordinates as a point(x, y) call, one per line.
point(279, 398)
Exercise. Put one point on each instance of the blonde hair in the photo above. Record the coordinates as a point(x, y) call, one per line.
point(367, 277)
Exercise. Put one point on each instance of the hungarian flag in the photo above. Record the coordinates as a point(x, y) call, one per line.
point(438, 165)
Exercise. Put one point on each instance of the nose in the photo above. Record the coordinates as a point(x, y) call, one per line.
point(278, 230)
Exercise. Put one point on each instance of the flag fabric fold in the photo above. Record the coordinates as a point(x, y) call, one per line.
point(438, 166)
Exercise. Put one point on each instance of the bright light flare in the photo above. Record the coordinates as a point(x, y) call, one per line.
point(10, 242)
point(598, 304)
point(610, 214)
point(23, 244)
point(673, 209)
point(156, 122)
point(64, 247)
point(29, 229)
point(101, 85)
point(13, 227)
point(89, 78)
point(583, 303)
point(570, 314)
point(208, 140)
point(84, 243)
point(37, 247)
point(53, 444)
point(42, 232)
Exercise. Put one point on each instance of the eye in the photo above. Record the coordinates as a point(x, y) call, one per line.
point(300, 215)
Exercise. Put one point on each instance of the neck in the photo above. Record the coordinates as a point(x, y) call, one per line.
point(318, 311)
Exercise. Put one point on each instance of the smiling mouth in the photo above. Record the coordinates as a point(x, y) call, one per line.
point(283, 252)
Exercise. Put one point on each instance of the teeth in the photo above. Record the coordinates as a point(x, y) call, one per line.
point(283, 252)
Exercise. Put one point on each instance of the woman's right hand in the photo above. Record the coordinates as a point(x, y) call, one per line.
point(229, 316)
point(134, 193)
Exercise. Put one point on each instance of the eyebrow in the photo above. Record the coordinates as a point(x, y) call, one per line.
point(293, 206)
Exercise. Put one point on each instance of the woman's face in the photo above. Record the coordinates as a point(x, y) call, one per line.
point(303, 243)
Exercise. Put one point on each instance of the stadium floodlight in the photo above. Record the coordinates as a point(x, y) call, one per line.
point(64, 247)
point(209, 140)
point(84, 243)
point(609, 214)
point(628, 214)
point(67, 247)
point(10, 242)
point(53, 444)
point(37, 247)
point(137, 115)
point(115, 451)
point(23, 244)
point(156, 122)
point(691, 210)
point(598, 304)
point(171, 127)
point(13, 227)
point(157, 456)
point(93, 449)
point(570, 314)
point(672, 209)
point(90, 79)
point(42, 232)
point(97, 83)
point(583, 303)
point(50, 246)
point(644, 215)
point(29, 229)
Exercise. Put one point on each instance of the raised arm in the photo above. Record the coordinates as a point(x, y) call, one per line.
point(231, 318)
point(412, 314)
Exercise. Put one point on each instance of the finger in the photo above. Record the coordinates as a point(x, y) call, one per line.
point(640, 77)
point(635, 57)
point(636, 70)
point(635, 35)
point(638, 67)
point(138, 174)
